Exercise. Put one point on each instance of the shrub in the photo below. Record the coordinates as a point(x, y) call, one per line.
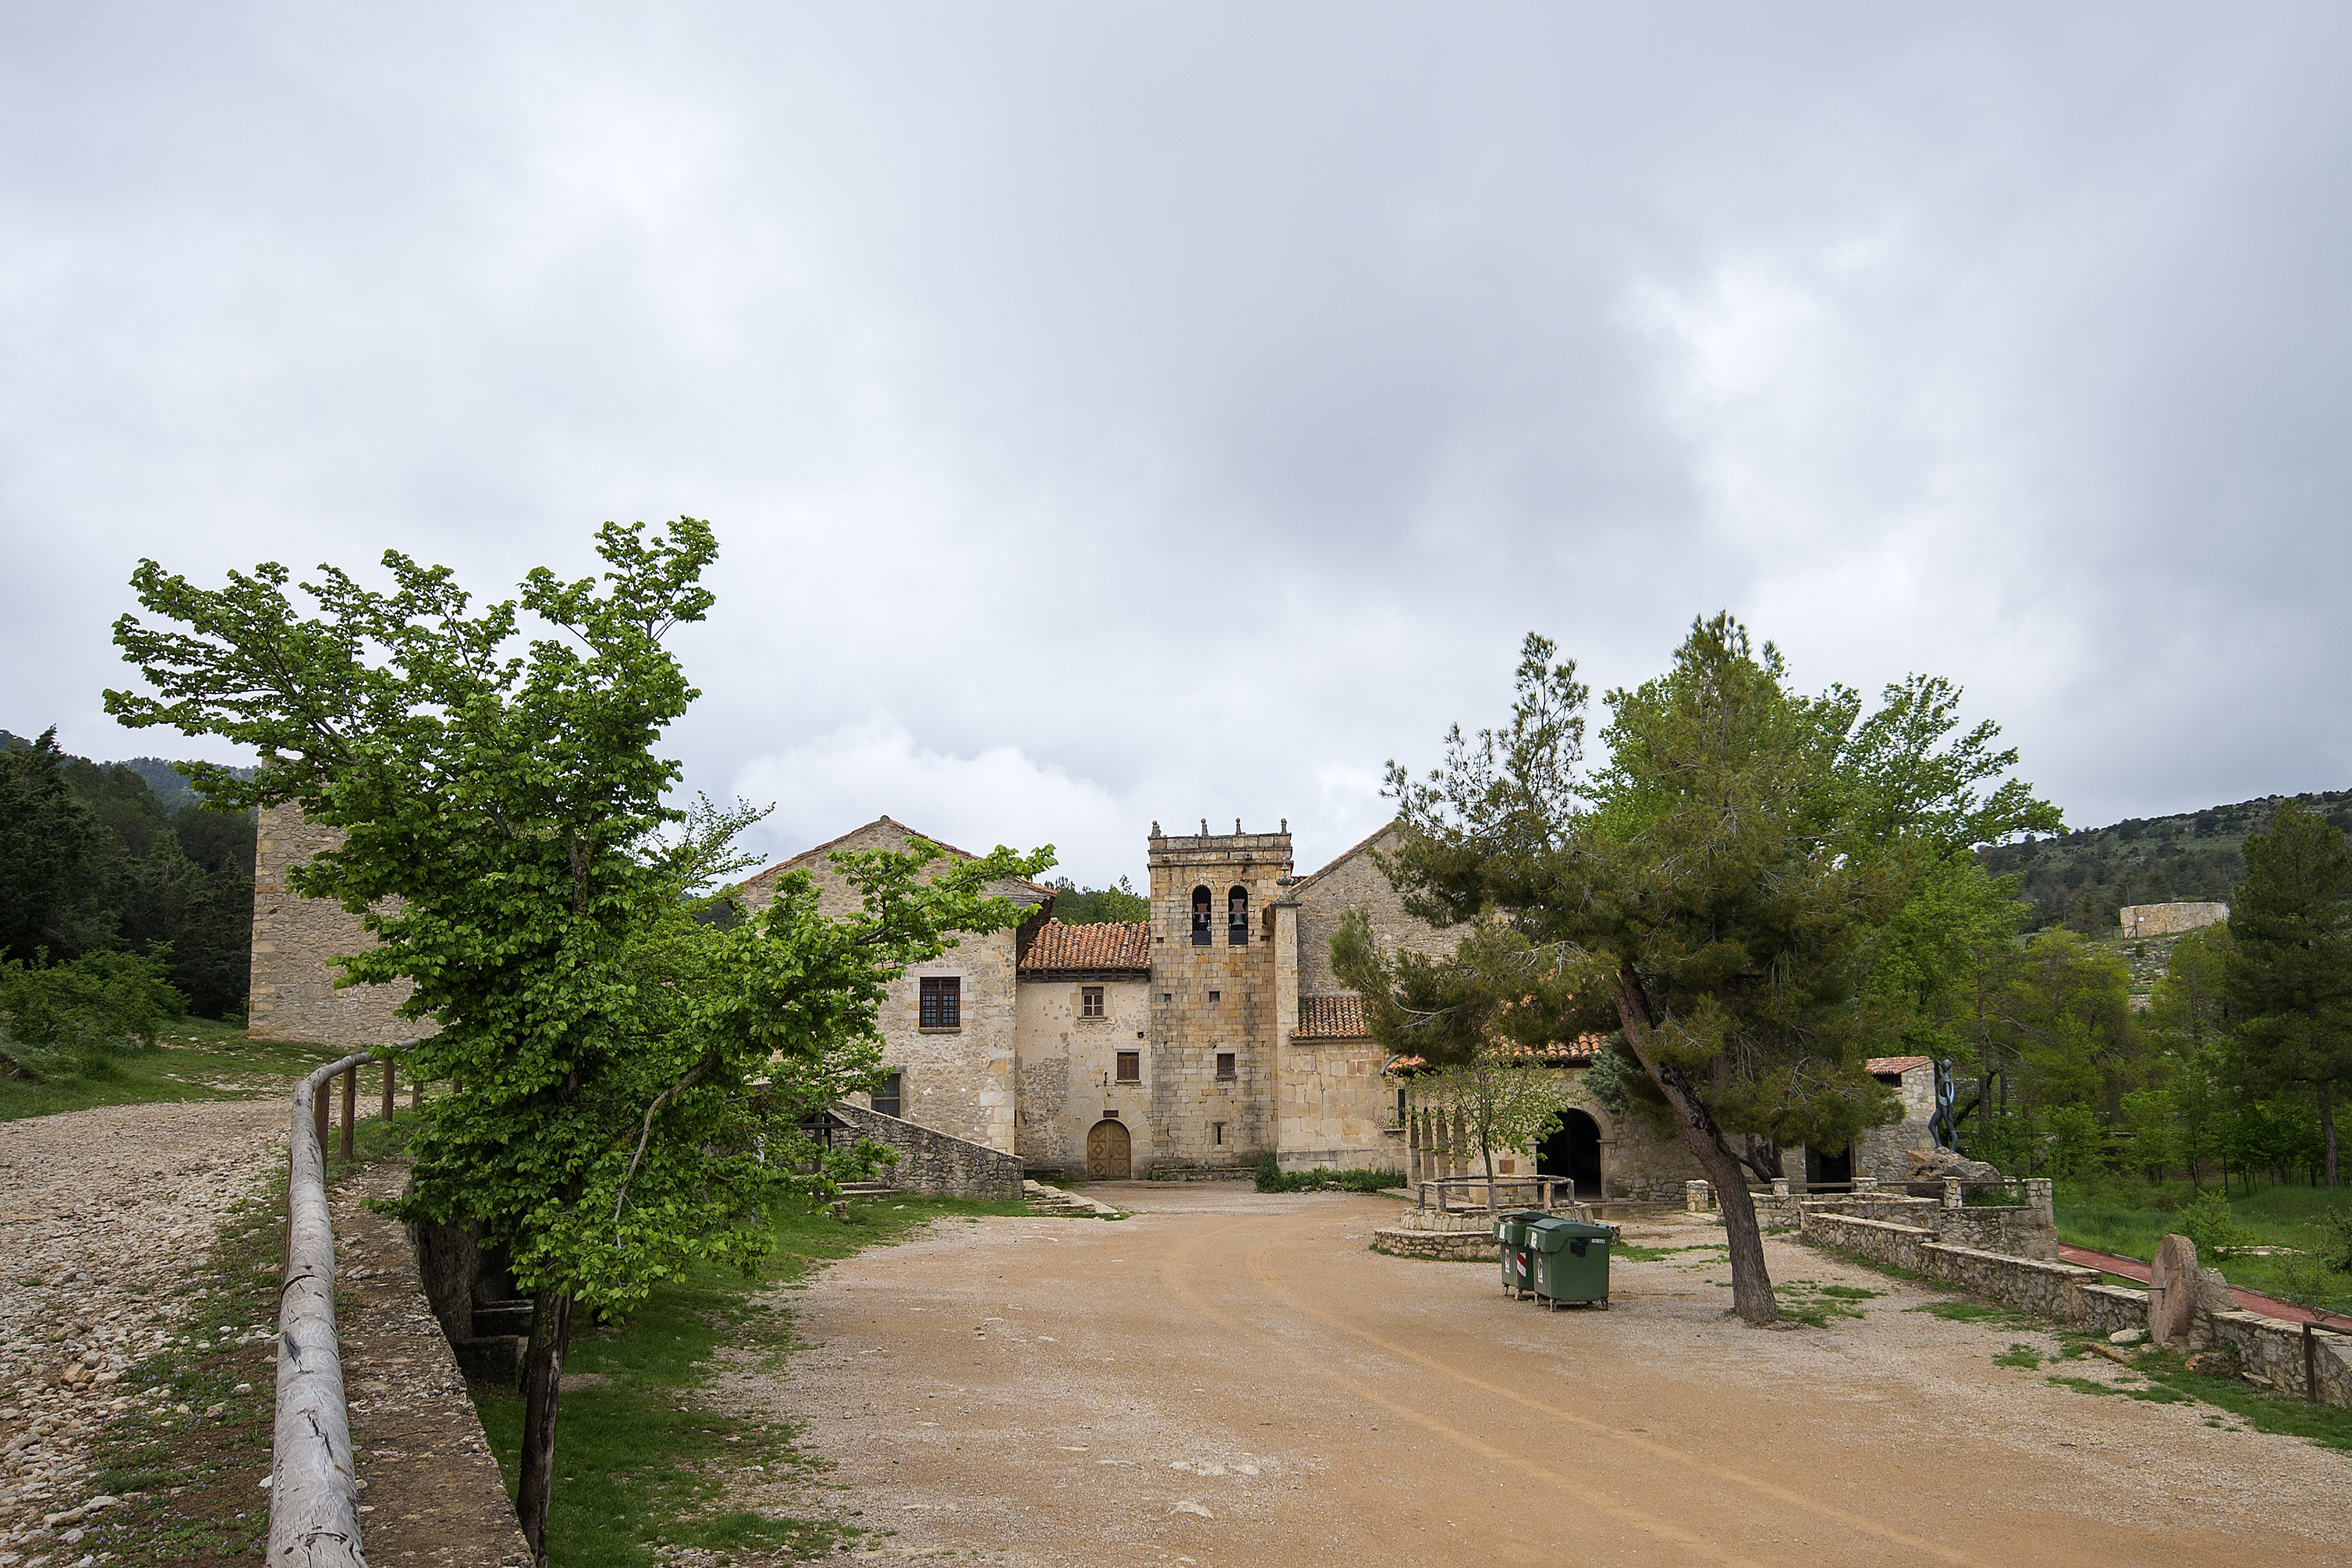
point(1272, 1178)
point(2206, 1220)
point(97, 1001)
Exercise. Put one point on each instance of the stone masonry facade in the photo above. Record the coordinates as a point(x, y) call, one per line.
point(294, 996)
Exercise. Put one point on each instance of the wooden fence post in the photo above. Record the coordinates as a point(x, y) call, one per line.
point(387, 1089)
point(318, 1115)
point(350, 1106)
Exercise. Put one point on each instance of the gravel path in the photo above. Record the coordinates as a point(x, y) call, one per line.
point(1231, 1378)
point(102, 1213)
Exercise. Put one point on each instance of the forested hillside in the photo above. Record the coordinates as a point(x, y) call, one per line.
point(2081, 881)
point(95, 858)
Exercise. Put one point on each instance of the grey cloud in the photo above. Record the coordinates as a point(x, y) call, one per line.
point(1198, 404)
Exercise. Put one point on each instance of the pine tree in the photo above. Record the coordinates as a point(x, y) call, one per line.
point(2289, 975)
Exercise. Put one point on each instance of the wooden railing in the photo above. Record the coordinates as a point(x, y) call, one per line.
point(314, 1520)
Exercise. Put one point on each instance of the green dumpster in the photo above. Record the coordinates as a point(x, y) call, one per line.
point(1511, 1241)
point(1569, 1261)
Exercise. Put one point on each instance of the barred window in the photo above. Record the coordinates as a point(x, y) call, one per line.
point(1090, 1000)
point(943, 1002)
point(1225, 1064)
point(1130, 1066)
point(889, 1096)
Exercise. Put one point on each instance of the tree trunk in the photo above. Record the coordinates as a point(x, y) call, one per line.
point(542, 1376)
point(1752, 1283)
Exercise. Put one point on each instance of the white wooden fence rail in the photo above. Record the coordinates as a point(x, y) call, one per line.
point(314, 1519)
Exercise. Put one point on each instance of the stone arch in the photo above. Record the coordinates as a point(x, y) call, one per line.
point(1574, 1152)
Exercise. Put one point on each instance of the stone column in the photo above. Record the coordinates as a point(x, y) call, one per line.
point(2040, 1199)
point(1696, 1197)
point(1953, 1197)
point(1865, 1186)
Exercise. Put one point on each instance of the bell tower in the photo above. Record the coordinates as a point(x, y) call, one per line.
point(1214, 1024)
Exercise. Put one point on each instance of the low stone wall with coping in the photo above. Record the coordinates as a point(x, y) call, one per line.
point(2271, 1351)
point(935, 1162)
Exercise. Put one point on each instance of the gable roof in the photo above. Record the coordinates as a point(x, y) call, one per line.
point(1110, 947)
point(1898, 1065)
point(1340, 860)
point(1020, 889)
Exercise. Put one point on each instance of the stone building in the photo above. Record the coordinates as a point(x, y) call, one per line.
point(1197, 1042)
point(293, 993)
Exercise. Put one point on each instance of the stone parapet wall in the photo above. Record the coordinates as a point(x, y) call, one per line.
point(2169, 920)
point(2272, 1351)
point(1439, 1245)
point(935, 1162)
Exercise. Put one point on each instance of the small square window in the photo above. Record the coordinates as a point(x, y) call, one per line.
point(1168, 995)
point(1130, 1066)
point(1225, 1064)
point(943, 1002)
point(1216, 995)
point(1090, 1000)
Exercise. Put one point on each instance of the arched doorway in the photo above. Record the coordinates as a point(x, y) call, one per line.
point(1573, 1152)
point(1107, 1152)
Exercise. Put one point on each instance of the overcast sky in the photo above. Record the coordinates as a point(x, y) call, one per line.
point(1121, 412)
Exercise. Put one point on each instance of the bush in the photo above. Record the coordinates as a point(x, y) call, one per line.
point(2206, 1220)
point(1272, 1178)
point(2335, 1239)
point(99, 1001)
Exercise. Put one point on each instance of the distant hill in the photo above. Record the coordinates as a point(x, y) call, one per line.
point(2081, 880)
point(170, 790)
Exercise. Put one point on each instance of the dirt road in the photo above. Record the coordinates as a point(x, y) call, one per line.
point(1231, 1378)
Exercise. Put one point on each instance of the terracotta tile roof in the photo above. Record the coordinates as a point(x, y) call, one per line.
point(1059, 948)
point(1575, 1053)
point(1337, 1016)
point(1897, 1064)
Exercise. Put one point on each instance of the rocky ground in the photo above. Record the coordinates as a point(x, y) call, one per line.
point(102, 1214)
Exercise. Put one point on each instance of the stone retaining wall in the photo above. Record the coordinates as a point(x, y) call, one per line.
point(2270, 1349)
point(935, 1162)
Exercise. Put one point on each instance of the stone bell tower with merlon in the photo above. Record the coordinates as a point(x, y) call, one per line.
point(1215, 1021)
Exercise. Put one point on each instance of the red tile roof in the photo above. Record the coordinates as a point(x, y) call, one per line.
point(1895, 1063)
point(1338, 1016)
point(1575, 1053)
point(1060, 949)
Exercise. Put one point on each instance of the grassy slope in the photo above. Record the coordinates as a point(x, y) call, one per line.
point(640, 1463)
point(2128, 1218)
point(194, 1058)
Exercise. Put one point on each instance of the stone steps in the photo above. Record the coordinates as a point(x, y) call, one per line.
point(1046, 1200)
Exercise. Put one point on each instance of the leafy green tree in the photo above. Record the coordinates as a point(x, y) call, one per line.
point(2289, 975)
point(627, 1080)
point(1073, 905)
point(2188, 1020)
point(89, 1002)
point(1716, 895)
point(2076, 1042)
point(2153, 1123)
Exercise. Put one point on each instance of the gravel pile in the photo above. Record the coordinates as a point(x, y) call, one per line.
point(103, 1214)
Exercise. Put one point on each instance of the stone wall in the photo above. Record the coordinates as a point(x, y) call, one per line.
point(2170, 919)
point(2053, 1290)
point(1210, 999)
point(1334, 1110)
point(2272, 1351)
point(959, 1080)
point(933, 1162)
point(1884, 1152)
point(293, 993)
point(1066, 1067)
point(1354, 881)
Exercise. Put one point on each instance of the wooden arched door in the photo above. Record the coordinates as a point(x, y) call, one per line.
point(1107, 1152)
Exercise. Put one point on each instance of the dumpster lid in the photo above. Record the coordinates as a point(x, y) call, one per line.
point(1565, 1228)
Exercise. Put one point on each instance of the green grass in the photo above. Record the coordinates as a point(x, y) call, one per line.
point(639, 1463)
point(2018, 1356)
point(194, 1058)
point(2127, 1218)
point(1633, 1252)
point(1967, 1310)
point(1815, 1305)
point(2328, 1425)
